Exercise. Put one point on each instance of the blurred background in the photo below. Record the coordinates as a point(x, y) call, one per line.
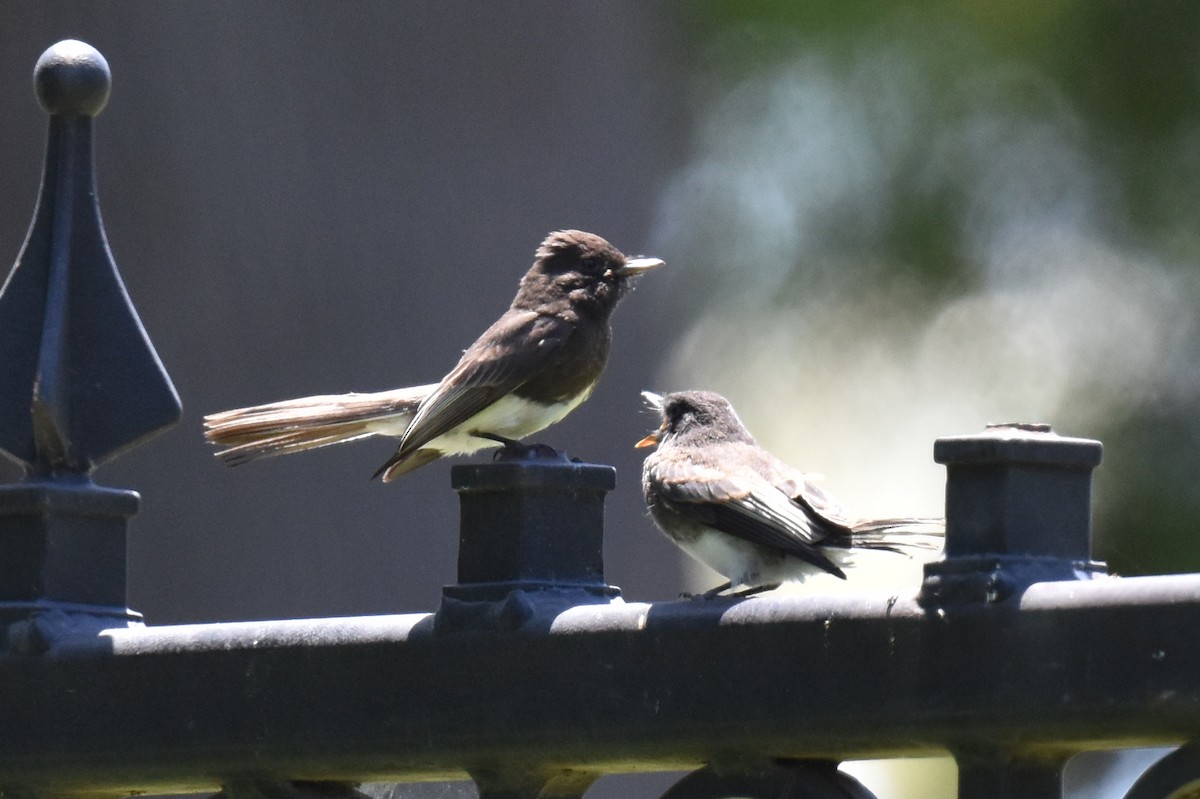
point(883, 223)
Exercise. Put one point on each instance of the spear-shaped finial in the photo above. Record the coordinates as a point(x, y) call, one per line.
point(79, 383)
point(81, 380)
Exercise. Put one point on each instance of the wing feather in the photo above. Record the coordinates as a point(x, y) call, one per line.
point(511, 351)
point(746, 504)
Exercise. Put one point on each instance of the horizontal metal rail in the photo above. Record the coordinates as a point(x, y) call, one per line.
point(605, 688)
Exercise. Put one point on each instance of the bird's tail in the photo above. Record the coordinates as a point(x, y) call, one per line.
point(281, 428)
point(915, 537)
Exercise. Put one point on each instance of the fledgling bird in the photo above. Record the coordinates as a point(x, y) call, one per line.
point(531, 368)
point(749, 516)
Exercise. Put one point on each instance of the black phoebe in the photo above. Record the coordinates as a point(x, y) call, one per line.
point(741, 511)
point(526, 372)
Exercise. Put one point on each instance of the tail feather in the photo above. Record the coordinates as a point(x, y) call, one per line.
point(909, 536)
point(281, 428)
point(287, 443)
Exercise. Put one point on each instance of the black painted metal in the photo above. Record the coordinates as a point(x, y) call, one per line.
point(776, 780)
point(1176, 776)
point(531, 525)
point(1018, 511)
point(63, 542)
point(607, 687)
point(534, 676)
point(989, 773)
point(531, 538)
point(519, 779)
point(259, 787)
point(81, 382)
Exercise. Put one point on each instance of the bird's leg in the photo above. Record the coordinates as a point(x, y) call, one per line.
point(719, 592)
point(758, 589)
point(513, 450)
point(507, 442)
point(711, 593)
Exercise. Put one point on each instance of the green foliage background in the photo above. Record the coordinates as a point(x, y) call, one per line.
point(1118, 87)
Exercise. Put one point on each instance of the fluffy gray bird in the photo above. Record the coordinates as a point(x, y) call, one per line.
point(749, 516)
point(531, 368)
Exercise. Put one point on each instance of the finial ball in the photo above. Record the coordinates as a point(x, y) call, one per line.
point(72, 77)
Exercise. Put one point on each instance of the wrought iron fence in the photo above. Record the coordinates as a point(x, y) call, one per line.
point(533, 677)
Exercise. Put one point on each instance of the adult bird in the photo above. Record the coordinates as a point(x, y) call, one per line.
point(749, 516)
point(532, 367)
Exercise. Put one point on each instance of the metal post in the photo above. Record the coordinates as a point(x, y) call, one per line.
point(1018, 512)
point(531, 544)
point(531, 525)
point(82, 381)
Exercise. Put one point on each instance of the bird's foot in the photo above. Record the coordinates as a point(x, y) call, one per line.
point(513, 450)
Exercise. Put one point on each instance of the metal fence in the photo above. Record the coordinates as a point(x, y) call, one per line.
point(533, 677)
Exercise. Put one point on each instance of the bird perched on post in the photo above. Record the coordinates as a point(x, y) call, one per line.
point(531, 368)
point(741, 511)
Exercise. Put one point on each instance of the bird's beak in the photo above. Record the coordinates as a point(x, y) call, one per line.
point(637, 266)
point(651, 440)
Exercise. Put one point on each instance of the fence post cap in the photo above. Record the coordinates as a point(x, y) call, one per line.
point(534, 474)
point(72, 77)
point(1018, 442)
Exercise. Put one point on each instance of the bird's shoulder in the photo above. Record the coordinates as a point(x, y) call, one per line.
point(516, 331)
point(714, 473)
point(515, 343)
point(729, 471)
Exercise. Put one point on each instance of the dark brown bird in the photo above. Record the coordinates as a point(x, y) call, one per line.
point(531, 368)
point(749, 516)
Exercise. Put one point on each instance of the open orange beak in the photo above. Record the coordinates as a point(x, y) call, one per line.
point(650, 440)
